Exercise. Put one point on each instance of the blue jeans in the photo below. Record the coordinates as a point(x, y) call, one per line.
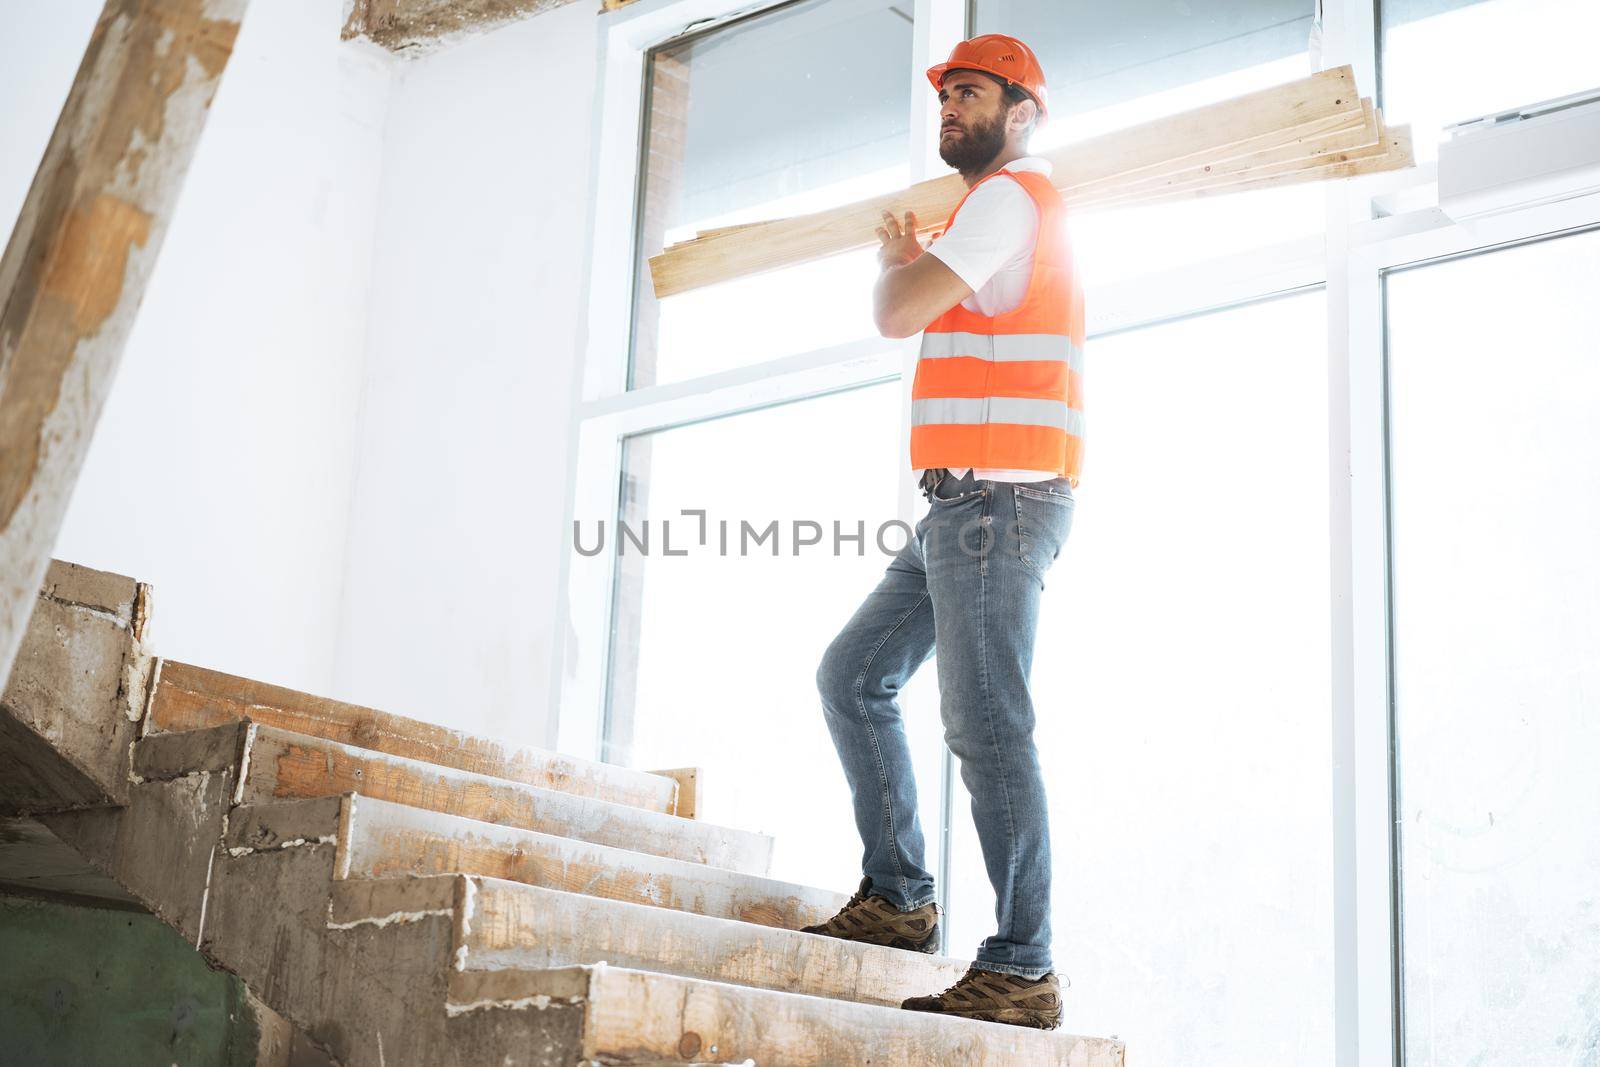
point(966, 585)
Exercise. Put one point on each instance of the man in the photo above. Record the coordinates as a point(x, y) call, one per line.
point(997, 437)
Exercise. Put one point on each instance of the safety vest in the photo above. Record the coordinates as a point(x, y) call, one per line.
point(1006, 390)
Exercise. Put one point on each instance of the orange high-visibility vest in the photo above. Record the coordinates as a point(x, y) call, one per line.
point(1006, 390)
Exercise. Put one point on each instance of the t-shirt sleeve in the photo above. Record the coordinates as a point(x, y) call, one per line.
point(993, 227)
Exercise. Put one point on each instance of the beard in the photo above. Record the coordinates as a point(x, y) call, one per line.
point(975, 146)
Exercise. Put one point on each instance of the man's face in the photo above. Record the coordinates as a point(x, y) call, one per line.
point(972, 120)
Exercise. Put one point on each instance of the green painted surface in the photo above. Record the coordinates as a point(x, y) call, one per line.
point(84, 987)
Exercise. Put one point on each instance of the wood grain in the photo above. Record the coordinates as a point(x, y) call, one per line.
point(1217, 133)
point(388, 840)
point(522, 926)
point(284, 766)
point(189, 697)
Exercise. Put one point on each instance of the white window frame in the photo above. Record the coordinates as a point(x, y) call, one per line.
point(1373, 223)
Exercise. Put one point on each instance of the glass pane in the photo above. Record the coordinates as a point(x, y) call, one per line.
point(716, 651)
point(1496, 517)
point(1181, 677)
point(1449, 60)
point(1115, 65)
point(782, 114)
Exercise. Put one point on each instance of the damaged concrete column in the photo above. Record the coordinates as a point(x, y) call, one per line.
point(82, 252)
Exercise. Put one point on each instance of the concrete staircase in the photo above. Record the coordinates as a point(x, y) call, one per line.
point(405, 894)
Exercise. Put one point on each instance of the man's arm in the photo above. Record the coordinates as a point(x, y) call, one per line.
point(995, 226)
point(911, 295)
point(913, 289)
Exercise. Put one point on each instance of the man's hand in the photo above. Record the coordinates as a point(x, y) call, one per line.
point(918, 288)
point(899, 246)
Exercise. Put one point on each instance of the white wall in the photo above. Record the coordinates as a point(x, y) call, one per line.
point(455, 538)
point(337, 442)
point(221, 469)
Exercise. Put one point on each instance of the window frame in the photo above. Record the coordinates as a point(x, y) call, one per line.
point(1375, 224)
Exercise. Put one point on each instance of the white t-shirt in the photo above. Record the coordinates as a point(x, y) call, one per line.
point(990, 247)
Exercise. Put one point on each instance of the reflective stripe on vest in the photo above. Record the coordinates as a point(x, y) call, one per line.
point(981, 409)
point(1003, 347)
point(1006, 390)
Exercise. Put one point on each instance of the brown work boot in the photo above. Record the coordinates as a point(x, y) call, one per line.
point(998, 998)
point(876, 921)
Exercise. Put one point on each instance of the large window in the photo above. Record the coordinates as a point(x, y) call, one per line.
point(1182, 690)
point(1308, 592)
point(1494, 374)
point(791, 111)
point(716, 649)
point(1449, 60)
point(1111, 66)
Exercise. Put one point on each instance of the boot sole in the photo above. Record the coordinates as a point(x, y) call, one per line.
point(929, 947)
point(1010, 1016)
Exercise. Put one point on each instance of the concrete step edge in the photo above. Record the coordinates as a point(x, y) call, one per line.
point(283, 764)
point(524, 927)
point(365, 829)
point(187, 697)
point(388, 839)
point(667, 1018)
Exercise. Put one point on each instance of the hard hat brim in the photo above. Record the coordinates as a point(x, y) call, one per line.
point(937, 72)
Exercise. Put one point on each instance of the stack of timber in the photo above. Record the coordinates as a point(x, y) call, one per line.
point(1314, 129)
point(405, 894)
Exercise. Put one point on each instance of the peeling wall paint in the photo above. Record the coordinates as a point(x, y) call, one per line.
point(417, 27)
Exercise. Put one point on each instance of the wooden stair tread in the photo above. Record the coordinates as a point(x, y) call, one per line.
point(387, 839)
point(637, 1016)
point(517, 926)
point(188, 697)
point(379, 839)
point(278, 764)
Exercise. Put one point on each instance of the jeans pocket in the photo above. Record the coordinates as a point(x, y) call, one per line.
point(1044, 517)
point(948, 484)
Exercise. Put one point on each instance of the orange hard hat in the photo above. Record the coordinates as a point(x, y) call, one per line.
point(1005, 57)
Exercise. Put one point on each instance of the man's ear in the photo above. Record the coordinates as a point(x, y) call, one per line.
point(1022, 114)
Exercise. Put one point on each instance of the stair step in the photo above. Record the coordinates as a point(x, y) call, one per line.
point(516, 926)
point(621, 1015)
point(388, 839)
point(378, 839)
point(189, 698)
point(283, 765)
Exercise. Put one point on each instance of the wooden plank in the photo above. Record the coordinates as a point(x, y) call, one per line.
point(636, 1016)
point(1380, 142)
point(81, 254)
point(188, 697)
point(687, 803)
point(1350, 116)
point(1314, 149)
point(531, 928)
point(1396, 153)
point(1214, 133)
point(390, 840)
point(285, 766)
